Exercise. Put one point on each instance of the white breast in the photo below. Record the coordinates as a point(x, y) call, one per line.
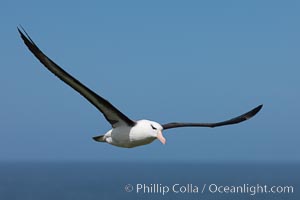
point(125, 136)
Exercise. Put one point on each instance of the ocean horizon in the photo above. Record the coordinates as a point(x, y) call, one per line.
point(148, 180)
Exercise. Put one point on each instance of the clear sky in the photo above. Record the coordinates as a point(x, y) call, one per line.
point(160, 60)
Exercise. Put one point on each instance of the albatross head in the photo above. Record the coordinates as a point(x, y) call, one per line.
point(151, 129)
point(156, 131)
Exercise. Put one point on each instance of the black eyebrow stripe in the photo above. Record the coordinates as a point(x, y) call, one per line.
point(153, 127)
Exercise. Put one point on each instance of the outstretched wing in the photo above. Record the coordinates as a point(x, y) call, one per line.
point(235, 120)
point(111, 113)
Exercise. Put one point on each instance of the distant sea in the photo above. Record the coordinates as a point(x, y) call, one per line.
point(150, 180)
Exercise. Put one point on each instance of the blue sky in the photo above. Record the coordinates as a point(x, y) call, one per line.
point(160, 60)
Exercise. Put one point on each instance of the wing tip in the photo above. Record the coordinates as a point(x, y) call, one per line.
point(254, 111)
point(26, 38)
point(21, 30)
point(258, 108)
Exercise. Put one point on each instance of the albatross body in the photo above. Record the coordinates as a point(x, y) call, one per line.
point(125, 132)
point(143, 132)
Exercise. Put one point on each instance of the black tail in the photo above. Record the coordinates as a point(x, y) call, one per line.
point(100, 138)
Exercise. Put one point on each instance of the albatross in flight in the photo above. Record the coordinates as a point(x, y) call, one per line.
point(125, 132)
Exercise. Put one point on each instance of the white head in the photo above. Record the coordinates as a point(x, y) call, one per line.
point(153, 129)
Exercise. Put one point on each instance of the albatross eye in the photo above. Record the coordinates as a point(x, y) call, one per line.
point(153, 127)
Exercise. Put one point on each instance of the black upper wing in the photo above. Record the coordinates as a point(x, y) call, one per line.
point(235, 120)
point(111, 113)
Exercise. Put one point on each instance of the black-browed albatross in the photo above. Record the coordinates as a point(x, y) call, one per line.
point(125, 132)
